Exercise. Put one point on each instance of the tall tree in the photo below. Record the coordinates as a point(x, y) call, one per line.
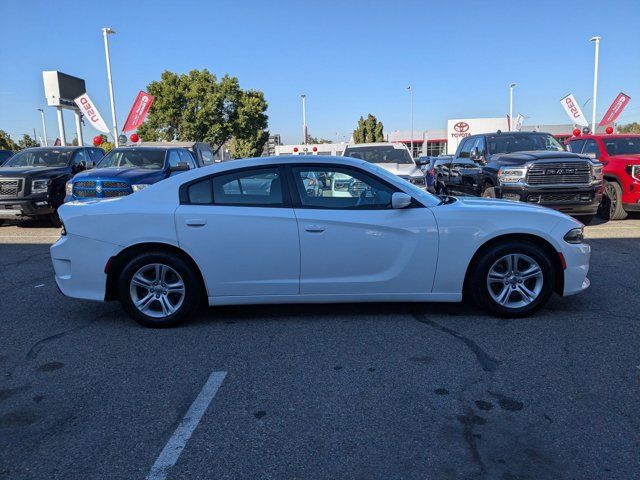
point(317, 140)
point(369, 130)
point(629, 128)
point(27, 142)
point(198, 107)
point(6, 143)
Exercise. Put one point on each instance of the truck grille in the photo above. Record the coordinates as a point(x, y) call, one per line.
point(11, 187)
point(559, 173)
point(100, 189)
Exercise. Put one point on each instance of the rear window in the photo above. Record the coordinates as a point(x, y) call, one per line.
point(379, 154)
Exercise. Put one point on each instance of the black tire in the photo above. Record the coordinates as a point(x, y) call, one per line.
point(489, 191)
point(478, 288)
point(1, 222)
point(611, 205)
point(191, 299)
point(585, 219)
point(54, 220)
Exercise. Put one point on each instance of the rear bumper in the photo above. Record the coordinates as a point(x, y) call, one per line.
point(79, 264)
point(31, 207)
point(572, 201)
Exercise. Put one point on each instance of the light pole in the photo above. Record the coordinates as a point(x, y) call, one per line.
point(595, 83)
point(411, 115)
point(511, 105)
point(44, 126)
point(106, 31)
point(304, 118)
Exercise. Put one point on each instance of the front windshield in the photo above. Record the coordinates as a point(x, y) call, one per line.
point(622, 145)
point(40, 158)
point(141, 158)
point(514, 142)
point(380, 154)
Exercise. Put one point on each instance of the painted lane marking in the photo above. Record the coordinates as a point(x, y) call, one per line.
point(172, 450)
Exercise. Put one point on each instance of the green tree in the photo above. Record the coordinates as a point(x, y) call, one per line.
point(106, 145)
point(629, 128)
point(369, 130)
point(198, 107)
point(6, 143)
point(317, 140)
point(27, 142)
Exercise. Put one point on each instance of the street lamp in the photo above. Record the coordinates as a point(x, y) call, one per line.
point(304, 118)
point(411, 115)
point(595, 83)
point(107, 31)
point(44, 126)
point(511, 105)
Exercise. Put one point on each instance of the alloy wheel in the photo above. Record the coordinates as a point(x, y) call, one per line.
point(157, 290)
point(515, 280)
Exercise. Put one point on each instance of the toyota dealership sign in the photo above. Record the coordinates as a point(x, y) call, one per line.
point(460, 128)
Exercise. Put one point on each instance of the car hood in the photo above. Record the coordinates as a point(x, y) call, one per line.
point(402, 169)
point(632, 159)
point(140, 175)
point(37, 172)
point(523, 157)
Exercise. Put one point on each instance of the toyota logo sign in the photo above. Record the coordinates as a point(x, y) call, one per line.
point(461, 127)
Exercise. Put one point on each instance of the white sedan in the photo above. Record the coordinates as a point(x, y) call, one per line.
point(249, 232)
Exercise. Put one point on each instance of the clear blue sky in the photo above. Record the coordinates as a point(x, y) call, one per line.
point(349, 57)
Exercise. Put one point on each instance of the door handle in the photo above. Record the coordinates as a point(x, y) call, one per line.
point(314, 228)
point(195, 222)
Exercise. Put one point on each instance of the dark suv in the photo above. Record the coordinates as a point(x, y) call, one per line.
point(5, 155)
point(32, 182)
point(530, 167)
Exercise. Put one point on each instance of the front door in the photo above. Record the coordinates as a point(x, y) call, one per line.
point(357, 243)
point(239, 229)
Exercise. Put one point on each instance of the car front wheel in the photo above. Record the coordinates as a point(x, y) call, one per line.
point(512, 279)
point(158, 289)
point(611, 205)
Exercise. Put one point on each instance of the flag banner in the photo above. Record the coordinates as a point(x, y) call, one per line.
point(519, 120)
point(615, 109)
point(89, 110)
point(573, 110)
point(138, 111)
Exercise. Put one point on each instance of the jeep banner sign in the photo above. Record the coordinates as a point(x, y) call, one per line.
point(615, 109)
point(90, 111)
point(570, 105)
point(138, 111)
point(460, 128)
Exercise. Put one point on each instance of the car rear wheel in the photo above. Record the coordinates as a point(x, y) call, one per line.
point(512, 279)
point(159, 289)
point(611, 205)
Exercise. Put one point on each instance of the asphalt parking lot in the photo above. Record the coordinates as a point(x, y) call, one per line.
point(385, 391)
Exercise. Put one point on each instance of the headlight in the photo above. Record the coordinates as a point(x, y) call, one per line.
point(68, 188)
point(511, 175)
point(596, 176)
point(575, 235)
point(635, 171)
point(138, 187)
point(40, 186)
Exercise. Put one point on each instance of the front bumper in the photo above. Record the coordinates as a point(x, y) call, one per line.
point(30, 207)
point(572, 201)
point(79, 264)
point(577, 261)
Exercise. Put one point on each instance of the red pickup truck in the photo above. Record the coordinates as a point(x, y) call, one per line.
point(620, 155)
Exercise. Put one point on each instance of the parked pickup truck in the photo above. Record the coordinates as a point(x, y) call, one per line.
point(620, 157)
point(32, 182)
point(126, 170)
point(530, 167)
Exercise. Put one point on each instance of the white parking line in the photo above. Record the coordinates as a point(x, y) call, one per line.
point(172, 450)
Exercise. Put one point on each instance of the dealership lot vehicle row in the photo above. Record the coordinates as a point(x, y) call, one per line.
point(357, 391)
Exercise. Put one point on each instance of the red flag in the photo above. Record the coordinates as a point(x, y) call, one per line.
point(138, 111)
point(615, 109)
point(57, 143)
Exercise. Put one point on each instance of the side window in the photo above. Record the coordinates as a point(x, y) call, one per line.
point(96, 154)
point(186, 157)
point(174, 158)
point(591, 148)
point(79, 156)
point(207, 157)
point(260, 187)
point(334, 187)
point(200, 193)
point(466, 147)
point(575, 146)
point(480, 145)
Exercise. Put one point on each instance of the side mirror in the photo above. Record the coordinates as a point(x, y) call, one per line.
point(90, 165)
point(400, 200)
point(476, 156)
point(79, 167)
point(180, 167)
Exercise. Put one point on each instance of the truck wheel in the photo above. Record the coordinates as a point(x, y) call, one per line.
point(585, 219)
point(489, 191)
point(1, 222)
point(54, 220)
point(611, 206)
point(159, 289)
point(512, 279)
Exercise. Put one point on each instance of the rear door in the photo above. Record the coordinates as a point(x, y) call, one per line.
point(240, 228)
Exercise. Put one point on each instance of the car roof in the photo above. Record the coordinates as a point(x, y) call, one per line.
point(169, 144)
point(377, 144)
point(605, 135)
point(64, 149)
point(149, 148)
